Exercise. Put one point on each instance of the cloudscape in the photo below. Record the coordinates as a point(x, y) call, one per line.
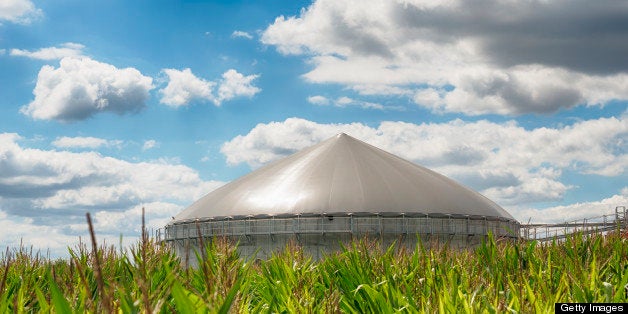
point(109, 107)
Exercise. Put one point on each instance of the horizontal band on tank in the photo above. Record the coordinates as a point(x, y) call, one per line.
point(337, 225)
point(343, 214)
point(353, 225)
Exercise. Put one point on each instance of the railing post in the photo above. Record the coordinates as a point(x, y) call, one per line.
point(271, 229)
point(431, 222)
point(404, 224)
point(351, 225)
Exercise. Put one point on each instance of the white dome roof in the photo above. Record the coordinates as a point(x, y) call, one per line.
point(341, 175)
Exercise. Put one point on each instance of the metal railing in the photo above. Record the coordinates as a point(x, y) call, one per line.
point(585, 226)
point(354, 225)
point(394, 225)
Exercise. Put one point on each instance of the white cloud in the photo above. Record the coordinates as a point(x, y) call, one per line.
point(157, 215)
point(84, 142)
point(347, 102)
point(56, 238)
point(184, 87)
point(234, 84)
point(461, 56)
point(82, 87)
point(318, 100)
point(269, 142)
point(15, 230)
point(344, 102)
point(19, 11)
point(150, 144)
point(241, 34)
point(51, 53)
point(62, 178)
point(48, 192)
point(504, 161)
point(572, 212)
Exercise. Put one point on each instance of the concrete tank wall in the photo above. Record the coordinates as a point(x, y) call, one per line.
point(322, 234)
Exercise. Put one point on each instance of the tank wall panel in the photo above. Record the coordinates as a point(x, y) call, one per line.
point(325, 234)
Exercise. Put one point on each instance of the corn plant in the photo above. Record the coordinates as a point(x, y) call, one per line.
point(495, 277)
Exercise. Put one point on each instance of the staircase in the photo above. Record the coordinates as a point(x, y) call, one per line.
point(599, 224)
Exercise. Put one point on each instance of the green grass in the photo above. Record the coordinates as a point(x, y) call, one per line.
point(496, 277)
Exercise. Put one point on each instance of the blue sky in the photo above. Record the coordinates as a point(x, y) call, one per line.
point(111, 106)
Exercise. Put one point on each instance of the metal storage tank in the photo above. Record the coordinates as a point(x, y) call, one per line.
point(335, 191)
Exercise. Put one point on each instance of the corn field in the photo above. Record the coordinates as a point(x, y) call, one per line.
point(496, 277)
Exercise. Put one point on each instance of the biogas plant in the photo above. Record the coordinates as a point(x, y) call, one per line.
point(336, 191)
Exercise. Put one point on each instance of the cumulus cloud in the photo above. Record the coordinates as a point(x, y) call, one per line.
point(51, 191)
point(268, 142)
point(51, 53)
point(158, 215)
point(19, 11)
point(184, 87)
point(241, 34)
point(56, 238)
point(504, 161)
point(84, 142)
point(72, 179)
point(234, 84)
point(318, 100)
point(572, 212)
point(15, 230)
point(81, 87)
point(461, 56)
